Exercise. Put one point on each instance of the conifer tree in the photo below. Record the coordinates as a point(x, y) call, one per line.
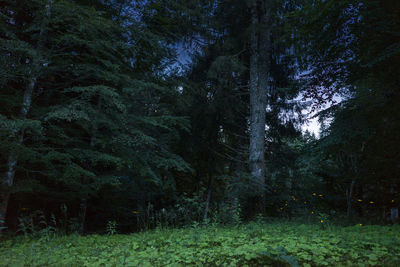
point(33, 57)
point(99, 111)
point(351, 48)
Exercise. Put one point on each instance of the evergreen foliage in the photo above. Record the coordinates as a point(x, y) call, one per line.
point(103, 124)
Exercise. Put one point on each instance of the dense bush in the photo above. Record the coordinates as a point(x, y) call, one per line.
point(254, 244)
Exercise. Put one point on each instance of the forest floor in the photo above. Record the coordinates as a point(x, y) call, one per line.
point(253, 244)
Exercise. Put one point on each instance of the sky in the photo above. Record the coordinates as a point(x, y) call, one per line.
point(312, 125)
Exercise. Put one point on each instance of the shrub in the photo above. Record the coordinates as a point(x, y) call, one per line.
point(254, 244)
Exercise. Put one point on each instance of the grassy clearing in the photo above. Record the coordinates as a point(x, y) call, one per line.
point(254, 244)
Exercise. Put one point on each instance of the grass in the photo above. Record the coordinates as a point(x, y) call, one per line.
point(253, 244)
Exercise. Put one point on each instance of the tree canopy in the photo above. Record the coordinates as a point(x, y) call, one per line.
point(181, 111)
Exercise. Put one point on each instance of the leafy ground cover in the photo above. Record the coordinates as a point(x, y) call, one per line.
point(253, 244)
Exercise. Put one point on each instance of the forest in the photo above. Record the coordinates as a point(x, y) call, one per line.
point(199, 132)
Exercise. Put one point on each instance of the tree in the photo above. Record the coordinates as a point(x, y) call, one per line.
point(352, 47)
point(258, 87)
point(226, 70)
point(101, 110)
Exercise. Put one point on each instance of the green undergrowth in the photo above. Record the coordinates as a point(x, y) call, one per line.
point(254, 244)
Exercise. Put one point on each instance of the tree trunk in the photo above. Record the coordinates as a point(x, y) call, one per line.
point(82, 213)
point(349, 196)
point(238, 167)
point(84, 200)
point(13, 157)
point(209, 187)
point(205, 216)
point(3, 208)
point(259, 70)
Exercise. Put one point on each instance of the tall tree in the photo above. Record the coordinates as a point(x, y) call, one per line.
point(260, 47)
point(102, 108)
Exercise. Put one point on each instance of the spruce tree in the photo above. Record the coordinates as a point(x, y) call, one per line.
point(96, 99)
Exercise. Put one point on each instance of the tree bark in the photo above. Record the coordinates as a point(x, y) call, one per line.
point(205, 216)
point(259, 75)
point(349, 196)
point(209, 187)
point(82, 213)
point(12, 161)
